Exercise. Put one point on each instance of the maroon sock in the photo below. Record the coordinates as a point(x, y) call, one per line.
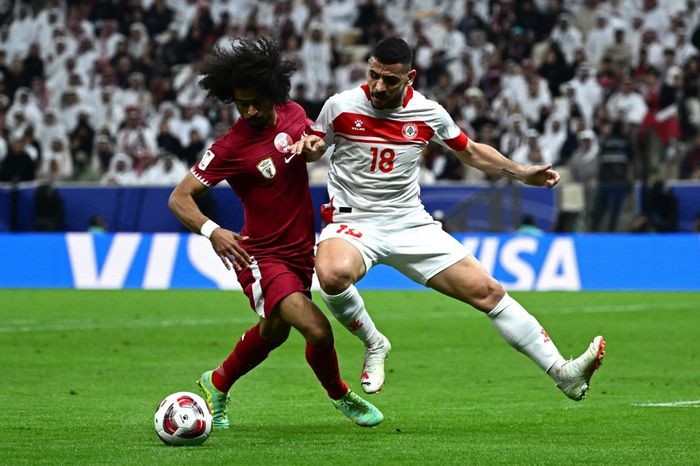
point(324, 362)
point(250, 351)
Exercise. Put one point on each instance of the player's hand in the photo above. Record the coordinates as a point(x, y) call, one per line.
point(541, 175)
point(226, 245)
point(312, 146)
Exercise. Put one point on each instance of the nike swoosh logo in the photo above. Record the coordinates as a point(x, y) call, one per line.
point(289, 159)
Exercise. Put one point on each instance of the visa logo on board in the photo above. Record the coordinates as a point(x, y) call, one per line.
point(518, 262)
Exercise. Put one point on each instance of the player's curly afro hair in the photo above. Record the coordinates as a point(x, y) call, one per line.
point(249, 64)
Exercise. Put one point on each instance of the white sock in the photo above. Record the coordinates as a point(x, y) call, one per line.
point(522, 331)
point(349, 308)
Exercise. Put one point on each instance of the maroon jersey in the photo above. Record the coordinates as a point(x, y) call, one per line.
point(271, 183)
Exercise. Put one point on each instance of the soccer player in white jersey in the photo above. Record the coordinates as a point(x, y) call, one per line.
point(375, 216)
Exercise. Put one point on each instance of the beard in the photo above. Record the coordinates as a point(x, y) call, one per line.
point(259, 122)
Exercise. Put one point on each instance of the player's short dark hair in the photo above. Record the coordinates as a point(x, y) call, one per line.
point(247, 64)
point(393, 50)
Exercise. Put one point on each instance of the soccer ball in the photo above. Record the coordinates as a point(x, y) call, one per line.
point(183, 418)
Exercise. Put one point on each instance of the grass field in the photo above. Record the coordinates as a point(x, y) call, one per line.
point(82, 373)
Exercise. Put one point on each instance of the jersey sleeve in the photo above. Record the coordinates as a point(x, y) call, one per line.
point(213, 168)
point(447, 133)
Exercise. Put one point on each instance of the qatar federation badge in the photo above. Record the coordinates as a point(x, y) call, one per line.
point(267, 168)
point(283, 141)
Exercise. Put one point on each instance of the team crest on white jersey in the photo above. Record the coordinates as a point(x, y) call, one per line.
point(409, 130)
point(282, 142)
point(267, 168)
point(358, 125)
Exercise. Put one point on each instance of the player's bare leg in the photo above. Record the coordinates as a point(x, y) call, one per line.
point(339, 266)
point(302, 314)
point(468, 282)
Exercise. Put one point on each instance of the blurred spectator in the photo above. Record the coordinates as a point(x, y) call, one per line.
point(17, 165)
point(98, 224)
point(104, 151)
point(553, 68)
point(81, 138)
point(514, 136)
point(56, 162)
point(84, 169)
point(48, 209)
point(628, 107)
point(316, 55)
point(26, 104)
point(567, 36)
point(443, 165)
point(584, 160)
point(120, 172)
point(193, 120)
point(660, 206)
point(613, 182)
point(192, 151)
point(158, 17)
point(690, 163)
point(599, 38)
point(528, 227)
point(588, 92)
point(33, 64)
point(311, 107)
point(619, 51)
point(532, 152)
point(135, 139)
point(534, 103)
point(107, 112)
point(554, 137)
point(167, 171)
point(50, 128)
point(168, 141)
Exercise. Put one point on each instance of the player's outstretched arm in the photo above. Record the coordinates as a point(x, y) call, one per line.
point(225, 242)
point(491, 161)
point(312, 146)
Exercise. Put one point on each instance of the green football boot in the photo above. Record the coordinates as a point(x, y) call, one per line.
point(359, 411)
point(216, 400)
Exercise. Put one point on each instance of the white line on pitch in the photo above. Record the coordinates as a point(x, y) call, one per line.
point(672, 404)
point(121, 325)
point(28, 326)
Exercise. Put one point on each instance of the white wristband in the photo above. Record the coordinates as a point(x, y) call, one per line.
point(208, 228)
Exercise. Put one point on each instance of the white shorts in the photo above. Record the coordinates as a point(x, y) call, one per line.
point(415, 245)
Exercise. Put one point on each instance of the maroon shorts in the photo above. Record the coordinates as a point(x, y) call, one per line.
point(267, 281)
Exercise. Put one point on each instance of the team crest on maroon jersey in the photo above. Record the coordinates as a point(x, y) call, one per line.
point(282, 142)
point(409, 130)
point(267, 168)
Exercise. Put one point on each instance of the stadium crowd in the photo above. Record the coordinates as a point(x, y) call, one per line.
point(105, 91)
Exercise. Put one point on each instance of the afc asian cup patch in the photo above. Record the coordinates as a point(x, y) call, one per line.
point(282, 142)
point(267, 168)
point(409, 130)
point(206, 158)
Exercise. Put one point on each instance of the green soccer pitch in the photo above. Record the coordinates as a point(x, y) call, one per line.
point(83, 371)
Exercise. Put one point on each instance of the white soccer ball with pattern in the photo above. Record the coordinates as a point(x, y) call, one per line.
point(183, 418)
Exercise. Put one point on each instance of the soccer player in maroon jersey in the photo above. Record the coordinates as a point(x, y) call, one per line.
point(273, 254)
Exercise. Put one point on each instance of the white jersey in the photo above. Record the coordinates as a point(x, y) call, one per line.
point(376, 161)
